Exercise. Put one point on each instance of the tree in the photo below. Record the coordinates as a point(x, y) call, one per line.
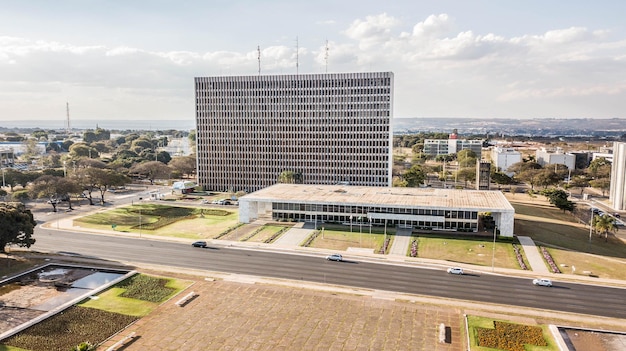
point(185, 164)
point(466, 158)
point(83, 150)
point(16, 225)
point(600, 168)
point(530, 176)
point(546, 177)
point(559, 198)
point(520, 167)
point(414, 176)
point(604, 224)
point(466, 174)
point(55, 188)
point(151, 170)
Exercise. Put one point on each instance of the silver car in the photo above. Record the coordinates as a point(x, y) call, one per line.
point(335, 257)
point(542, 282)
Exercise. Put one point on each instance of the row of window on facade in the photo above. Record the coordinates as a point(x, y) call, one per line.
point(363, 210)
point(285, 82)
point(426, 225)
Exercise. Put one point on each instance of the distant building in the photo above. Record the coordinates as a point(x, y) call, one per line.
point(556, 156)
point(503, 158)
point(326, 128)
point(617, 192)
point(183, 187)
point(483, 175)
point(7, 158)
point(451, 146)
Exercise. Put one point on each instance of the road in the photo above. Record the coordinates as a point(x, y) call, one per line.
point(483, 287)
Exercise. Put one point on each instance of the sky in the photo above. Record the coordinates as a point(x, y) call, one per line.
point(136, 59)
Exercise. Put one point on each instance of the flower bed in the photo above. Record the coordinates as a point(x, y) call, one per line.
point(548, 258)
point(520, 259)
point(414, 248)
point(510, 337)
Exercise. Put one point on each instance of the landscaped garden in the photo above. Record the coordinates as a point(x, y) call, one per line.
point(96, 319)
point(487, 334)
point(163, 220)
point(335, 237)
point(470, 250)
point(567, 240)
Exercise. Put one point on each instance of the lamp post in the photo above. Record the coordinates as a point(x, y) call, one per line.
point(493, 254)
point(590, 224)
point(140, 222)
point(3, 183)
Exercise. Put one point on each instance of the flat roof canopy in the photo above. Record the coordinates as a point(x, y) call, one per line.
point(482, 200)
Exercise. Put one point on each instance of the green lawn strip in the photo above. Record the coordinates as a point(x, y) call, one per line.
point(467, 250)
point(264, 233)
point(110, 300)
point(562, 235)
point(342, 240)
point(11, 348)
point(206, 224)
point(603, 267)
point(475, 322)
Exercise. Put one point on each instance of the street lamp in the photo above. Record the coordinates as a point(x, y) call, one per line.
point(493, 254)
point(140, 222)
point(590, 224)
point(3, 183)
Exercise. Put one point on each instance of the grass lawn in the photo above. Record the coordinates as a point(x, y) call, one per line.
point(193, 223)
point(568, 240)
point(341, 239)
point(467, 250)
point(475, 322)
point(266, 232)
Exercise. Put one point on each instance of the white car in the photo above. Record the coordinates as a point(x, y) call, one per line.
point(335, 257)
point(455, 270)
point(542, 282)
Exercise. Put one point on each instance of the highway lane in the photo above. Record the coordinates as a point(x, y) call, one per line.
point(481, 287)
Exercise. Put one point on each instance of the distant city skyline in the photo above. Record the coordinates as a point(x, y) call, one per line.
point(135, 61)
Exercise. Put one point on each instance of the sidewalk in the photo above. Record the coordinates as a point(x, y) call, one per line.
point(532, 254)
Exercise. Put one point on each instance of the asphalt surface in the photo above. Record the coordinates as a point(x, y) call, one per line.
point(357, 272)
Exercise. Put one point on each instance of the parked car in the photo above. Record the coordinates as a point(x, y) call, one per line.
point(455, 270)
point(542, 282)
point(335, 257)
point(199, 244)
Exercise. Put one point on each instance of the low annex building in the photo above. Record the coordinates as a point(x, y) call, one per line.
point(419, 208)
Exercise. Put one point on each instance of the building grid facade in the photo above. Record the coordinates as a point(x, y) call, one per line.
point(326, 128)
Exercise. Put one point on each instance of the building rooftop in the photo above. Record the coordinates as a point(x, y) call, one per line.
point(432, 198)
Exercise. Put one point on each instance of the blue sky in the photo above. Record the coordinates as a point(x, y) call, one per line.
point(130, 59)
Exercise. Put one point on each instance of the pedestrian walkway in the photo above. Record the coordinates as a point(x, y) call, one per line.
point(293, 237)
point(401, 242)
point(532, 254)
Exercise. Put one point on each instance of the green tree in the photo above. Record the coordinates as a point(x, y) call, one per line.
point(604, 225)
point(39, 134)
point(151, 170)
point(414, 176)
point(604, 184)
point(559, 198)
point(466, 158)
point(185, 164)
point(55, 188)
point(466, 174)
point(16, 225)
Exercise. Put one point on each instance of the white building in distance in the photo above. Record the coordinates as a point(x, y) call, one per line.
point(503, 158)
point(556, 156)
point(617, 192)
point(420, 208)
point(325, 128)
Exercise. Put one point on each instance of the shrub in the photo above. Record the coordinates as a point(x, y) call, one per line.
point(146, 288)
point(310, 239)
point(510, 337)
point(414, 248)
point(276, 235)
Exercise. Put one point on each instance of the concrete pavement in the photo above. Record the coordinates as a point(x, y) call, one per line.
point(535, 259)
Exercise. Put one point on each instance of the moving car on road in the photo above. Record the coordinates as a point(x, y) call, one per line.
point(199, 244)
point(542, 282)
point(335, 257)
point(455, 270)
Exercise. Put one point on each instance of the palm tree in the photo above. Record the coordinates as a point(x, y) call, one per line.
point(604, 224)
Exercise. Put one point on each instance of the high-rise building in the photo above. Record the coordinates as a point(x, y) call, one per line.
point(314, 128)
point(483, 175)
point(617, 192)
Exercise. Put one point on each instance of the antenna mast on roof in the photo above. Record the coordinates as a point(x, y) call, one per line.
point(326, 55)
point(297, 57)
point(67, 109)
point(258, 49)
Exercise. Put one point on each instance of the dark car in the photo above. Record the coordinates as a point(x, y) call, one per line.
point(199, 244)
